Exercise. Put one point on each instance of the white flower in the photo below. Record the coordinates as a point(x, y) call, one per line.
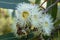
point(24, 14)
point(28, 13)
point(36, 18)
point(24, 11)
point(47, 24)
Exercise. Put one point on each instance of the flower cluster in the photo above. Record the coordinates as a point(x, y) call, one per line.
point(31, 17)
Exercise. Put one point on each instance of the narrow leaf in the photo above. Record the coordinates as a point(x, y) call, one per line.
point(53, 10)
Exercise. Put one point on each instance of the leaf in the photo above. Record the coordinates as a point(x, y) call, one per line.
point(14, 1)
point(30, 35)
point(9, 36)
point(57, 23)
point(53, 10)
point(11, 4)
point(37, 1)
point(13, 14)
point(23, 38)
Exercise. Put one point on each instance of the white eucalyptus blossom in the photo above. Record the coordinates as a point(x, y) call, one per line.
point(35, 19)
point(47, 24)
point(24, 14)
point(29, 14)
point(24, 11)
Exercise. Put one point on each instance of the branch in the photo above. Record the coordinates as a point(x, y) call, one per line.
point(50, 6)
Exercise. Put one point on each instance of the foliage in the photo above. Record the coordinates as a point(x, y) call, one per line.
point(52, 10)
point(30, 36)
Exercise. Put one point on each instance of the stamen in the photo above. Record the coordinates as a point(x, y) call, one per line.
point(25, 14)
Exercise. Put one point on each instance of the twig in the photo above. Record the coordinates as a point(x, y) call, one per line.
point(50, 6)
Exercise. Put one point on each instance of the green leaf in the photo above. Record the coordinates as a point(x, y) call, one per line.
point(13, 14)
point(30, 35)
point(11, 4)
point(37, 1)
point(9, 36)
point(53, 10)
point(14, 1)
point(57, 23)
point(23, 38)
